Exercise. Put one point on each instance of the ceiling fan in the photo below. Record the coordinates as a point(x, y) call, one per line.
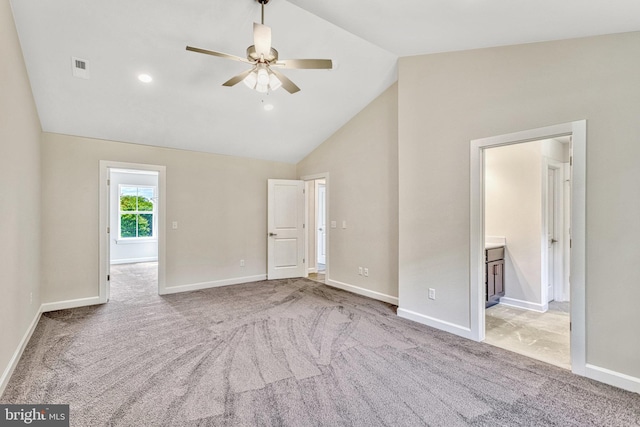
point(264, 58)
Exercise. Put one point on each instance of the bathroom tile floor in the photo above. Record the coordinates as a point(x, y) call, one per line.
point(541, 336)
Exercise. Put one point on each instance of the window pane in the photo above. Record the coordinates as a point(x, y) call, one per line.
point(128, 198)
point(128, 225)
point(145, 225)
point(145, 199)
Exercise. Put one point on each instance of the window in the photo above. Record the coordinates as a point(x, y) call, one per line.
point(137, 212)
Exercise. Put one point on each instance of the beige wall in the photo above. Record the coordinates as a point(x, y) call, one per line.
point(361, 159)
point(219, 202)
point(446, 100)
point(19, 195)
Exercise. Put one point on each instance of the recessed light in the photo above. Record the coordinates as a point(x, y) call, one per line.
point(145, 78)
point(268, 107)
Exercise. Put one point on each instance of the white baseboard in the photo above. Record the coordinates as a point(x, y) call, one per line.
point(133, 260)
point(362, 291)
point(214, 284)
point(312, 270)
point(616, 379)
point(540, 308)
point(452, 328)
point(72, 303)
point(6, 375)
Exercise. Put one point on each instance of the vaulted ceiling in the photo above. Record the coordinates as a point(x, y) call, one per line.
point(185, 105)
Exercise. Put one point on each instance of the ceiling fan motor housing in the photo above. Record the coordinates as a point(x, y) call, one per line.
point(253, 56)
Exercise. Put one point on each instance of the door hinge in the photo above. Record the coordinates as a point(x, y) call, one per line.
point(303, 225)
point(569, 326)
point(571, 161)
point(304, 260)
point(108, 182)
point(108, 277)
point(303, 191)
point(108, 230)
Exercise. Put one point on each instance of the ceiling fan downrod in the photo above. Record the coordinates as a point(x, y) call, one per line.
point(262, 3)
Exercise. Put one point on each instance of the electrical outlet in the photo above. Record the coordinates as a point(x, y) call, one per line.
point(360, 271)
point(432, 293)
point(241, 263)
point(366, 272)
point(174, 225)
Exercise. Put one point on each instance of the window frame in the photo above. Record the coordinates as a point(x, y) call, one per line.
point(154, 212)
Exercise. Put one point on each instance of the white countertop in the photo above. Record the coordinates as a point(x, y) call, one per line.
point(492, 242)
point(493, 245)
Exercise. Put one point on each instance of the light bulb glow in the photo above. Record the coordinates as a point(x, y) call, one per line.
point(145, 78)
point(268, 107)
point(262, 88)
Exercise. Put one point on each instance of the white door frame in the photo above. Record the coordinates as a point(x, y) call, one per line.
point(578, 131)
point(313, 177)
point(104, 261)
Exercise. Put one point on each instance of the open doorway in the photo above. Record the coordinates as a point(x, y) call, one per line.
point(133, 237)
point(478, 256)
point(317, 237)
point(527, 301)
point(131, 230)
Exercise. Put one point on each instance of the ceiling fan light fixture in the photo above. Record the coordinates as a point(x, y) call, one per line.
point(262, 88)
point(274, 82)
point(251, 80)
point(263, 77)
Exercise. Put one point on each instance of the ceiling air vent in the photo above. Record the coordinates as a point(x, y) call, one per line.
point(80, 67)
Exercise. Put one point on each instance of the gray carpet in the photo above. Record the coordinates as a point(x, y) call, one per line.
point(287, 353)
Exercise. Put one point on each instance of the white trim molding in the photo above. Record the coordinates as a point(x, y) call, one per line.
point(72, 303)
point(452, 328)
point(6, 375)
point(527, 305)
point(213, 284)
point(362, 291)
point(616, 379)
point(578, 132)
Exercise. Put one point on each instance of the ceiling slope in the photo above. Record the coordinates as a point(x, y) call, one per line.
point(185, 106)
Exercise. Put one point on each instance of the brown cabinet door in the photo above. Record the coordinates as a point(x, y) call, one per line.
point(499, 277)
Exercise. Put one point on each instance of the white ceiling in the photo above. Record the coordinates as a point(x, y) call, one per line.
point(186, 107)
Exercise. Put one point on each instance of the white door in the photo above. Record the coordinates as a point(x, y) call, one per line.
point(285, 228)
point(551, 232)
point(321, 223)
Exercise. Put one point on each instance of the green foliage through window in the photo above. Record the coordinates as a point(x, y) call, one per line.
point(136, 212)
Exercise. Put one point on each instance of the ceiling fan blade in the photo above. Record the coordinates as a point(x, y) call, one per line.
point(309, 64)
point(219, 54)
point(262, 39)
point(237, 79)
point(287, 84)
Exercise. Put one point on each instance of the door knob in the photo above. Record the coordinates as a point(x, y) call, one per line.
point(272, 234)
point(554, 241)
